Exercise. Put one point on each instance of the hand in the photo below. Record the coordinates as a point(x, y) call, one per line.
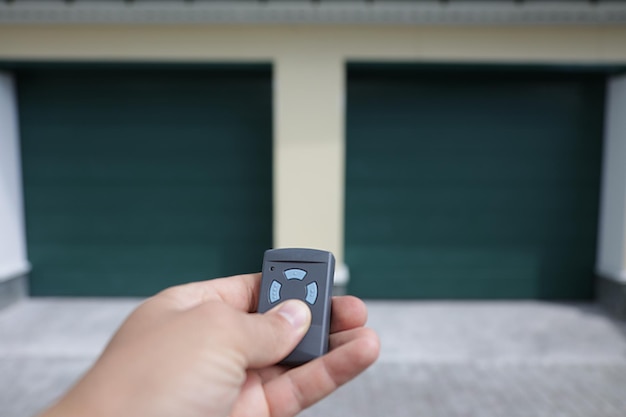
point(199, 350)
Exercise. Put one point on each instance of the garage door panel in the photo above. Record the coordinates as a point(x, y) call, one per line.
point(497, 203)
point(149, 196)
point(124, 271)
point(444, 272)
point(182, 171)
point(442, 197)
point(62, 228)
point(423, 171)
point(439, 229)
point(494, 177)
point(110, 139)
point(515, 272)
point(482, 156)
point(500, 98)
point(136, 179)
point(468, 137)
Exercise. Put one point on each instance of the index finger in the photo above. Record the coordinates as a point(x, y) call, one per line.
point(242, 293)
point(298, 388)
point(239, 291)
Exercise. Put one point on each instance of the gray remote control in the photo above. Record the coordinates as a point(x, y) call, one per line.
point(307, 275)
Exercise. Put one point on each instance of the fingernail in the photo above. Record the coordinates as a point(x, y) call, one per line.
point(296, 313)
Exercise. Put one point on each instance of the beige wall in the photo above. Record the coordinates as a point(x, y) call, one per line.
point(309, 151)
point(536, 43)
point(309, 85)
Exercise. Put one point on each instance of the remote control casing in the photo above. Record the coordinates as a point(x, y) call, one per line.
point(307, 275)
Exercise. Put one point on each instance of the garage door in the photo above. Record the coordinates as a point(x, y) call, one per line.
point(473, 182)
point(137, 178)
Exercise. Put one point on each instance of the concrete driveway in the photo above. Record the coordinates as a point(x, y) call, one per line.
point(438, 358)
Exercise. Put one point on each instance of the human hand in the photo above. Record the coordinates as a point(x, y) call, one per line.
point(199, 350)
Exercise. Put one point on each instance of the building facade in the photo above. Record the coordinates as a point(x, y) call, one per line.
point(440, 150)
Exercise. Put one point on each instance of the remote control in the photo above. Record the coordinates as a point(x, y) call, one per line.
point(307, 275)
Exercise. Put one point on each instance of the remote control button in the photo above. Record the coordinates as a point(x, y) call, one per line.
point(275, 291)
point(295, 274)
point(311, 293)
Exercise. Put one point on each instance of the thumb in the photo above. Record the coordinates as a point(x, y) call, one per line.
point(273, 335)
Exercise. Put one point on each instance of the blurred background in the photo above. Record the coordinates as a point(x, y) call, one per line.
point(464, 161)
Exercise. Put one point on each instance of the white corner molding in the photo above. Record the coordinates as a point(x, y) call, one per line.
point(10, 271)
point(12, 235)
point(342, 275)
point(611, 254)
point(314, 13)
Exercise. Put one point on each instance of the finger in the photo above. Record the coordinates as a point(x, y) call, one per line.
point(336, 340)
point(239, 291)
point(303, 386)
point(348, 312)
point(339, 339)
point(268, 338)
point(251, 398)
point(272, 372)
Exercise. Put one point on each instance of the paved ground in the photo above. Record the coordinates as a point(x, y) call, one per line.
point(448, 359)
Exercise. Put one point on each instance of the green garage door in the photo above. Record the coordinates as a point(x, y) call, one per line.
point(474, 183)
point(138, 178)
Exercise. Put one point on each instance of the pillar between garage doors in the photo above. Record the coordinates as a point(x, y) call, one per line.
point(309, 152)
point(611, 263)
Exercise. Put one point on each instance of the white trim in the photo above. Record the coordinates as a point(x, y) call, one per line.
point(13, 259)
point(611, 250)
point(8, 272)
point(342, 275)
point(314, 13)
point(620, 276)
